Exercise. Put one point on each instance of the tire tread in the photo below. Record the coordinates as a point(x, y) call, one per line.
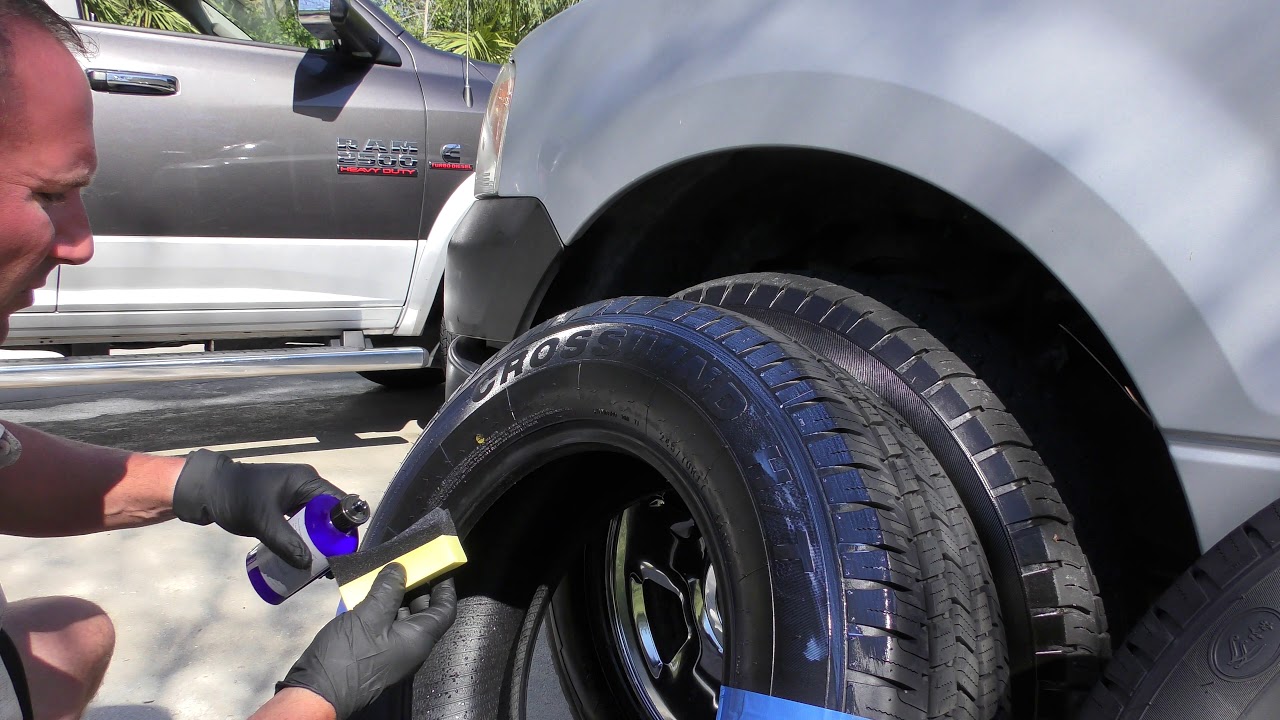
point(1159, 639)
point(1069, 628)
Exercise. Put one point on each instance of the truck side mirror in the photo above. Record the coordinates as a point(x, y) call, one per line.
point(316, 17)
point(346, 24)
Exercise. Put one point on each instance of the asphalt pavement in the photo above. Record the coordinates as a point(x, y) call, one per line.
point(193, 640)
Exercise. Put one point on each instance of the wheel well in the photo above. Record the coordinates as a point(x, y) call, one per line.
point(948, 267)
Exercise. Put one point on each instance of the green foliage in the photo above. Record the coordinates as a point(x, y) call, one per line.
point(151, 14)
point(495, 26)
point(407, 13)
point(268, 21)
point(482, 43)
point(291, 32)
point(489, 34)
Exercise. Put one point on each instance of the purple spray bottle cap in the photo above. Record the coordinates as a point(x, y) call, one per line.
point(350, 513)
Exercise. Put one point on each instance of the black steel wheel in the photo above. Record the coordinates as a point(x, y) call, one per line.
point(651, 598)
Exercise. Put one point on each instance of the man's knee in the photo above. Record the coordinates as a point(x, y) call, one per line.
point(75, 629)
point(66, 645)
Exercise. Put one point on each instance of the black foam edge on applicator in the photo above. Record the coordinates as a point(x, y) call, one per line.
point(434, 524)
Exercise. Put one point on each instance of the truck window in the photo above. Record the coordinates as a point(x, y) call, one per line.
point(264, 21)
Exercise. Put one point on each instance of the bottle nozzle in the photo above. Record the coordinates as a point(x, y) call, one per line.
point(350, 513)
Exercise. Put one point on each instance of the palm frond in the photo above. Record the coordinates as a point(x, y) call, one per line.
point(151, 14)
point(108, 11)
point(158, 16)
point(514, 18)
point(482, 43)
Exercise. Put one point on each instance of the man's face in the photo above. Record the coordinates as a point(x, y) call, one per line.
point(46, 156)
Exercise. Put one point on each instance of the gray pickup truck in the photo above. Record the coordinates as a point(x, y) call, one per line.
point(253, 194)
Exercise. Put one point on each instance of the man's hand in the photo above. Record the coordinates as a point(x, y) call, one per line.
point(375, 645)
point(249, 499)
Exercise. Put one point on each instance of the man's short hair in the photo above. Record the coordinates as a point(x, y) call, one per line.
point(36, 12)
point(39, 14)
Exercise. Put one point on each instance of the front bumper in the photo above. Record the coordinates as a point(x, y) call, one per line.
point(501, 258)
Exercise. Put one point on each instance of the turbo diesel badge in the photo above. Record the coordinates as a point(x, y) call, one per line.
point(378, 157)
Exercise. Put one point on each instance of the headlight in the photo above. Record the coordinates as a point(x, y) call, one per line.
point(494, 129)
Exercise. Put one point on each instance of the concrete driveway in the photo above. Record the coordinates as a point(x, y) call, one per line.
point(194, 641)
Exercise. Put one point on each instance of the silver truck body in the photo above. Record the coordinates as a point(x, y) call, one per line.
point(1131, 147)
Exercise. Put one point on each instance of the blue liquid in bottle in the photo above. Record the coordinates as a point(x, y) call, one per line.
point(329, 527)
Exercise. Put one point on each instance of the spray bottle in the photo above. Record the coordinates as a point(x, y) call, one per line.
point(328, 525)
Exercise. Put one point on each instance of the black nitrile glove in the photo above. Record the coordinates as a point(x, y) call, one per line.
point(249, 499)
point(364, 651)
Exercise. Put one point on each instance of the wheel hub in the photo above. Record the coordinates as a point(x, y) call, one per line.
point(664, 610)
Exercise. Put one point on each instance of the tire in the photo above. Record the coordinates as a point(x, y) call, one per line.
point(1210, 647)
point(849, 573)
point(1054, 617)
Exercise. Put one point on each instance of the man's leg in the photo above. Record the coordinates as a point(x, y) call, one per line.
point(65, 644)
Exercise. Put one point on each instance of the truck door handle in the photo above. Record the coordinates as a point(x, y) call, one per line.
point(132, 83)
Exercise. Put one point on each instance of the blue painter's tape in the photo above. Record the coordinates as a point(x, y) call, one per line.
point(745, 705)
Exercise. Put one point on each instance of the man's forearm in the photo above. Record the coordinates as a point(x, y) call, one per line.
point(295, 704)
point(63, 487)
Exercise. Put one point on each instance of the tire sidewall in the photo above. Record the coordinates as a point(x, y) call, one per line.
point(715, 431)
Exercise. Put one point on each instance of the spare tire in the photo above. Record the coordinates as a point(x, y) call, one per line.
point(1210, 647)
point(717, 454)
point(1053, 612)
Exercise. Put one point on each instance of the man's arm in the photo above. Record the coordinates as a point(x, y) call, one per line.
point(63, 487)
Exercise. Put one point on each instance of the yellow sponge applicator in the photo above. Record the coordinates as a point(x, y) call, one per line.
point(428, 549)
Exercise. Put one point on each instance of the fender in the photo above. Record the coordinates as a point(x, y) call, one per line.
point(1125, 151)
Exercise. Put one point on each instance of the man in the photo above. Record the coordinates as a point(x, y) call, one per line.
point(55, 650)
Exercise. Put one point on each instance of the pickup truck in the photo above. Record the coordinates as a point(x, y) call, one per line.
point(1041, 234)
point(258, 195)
